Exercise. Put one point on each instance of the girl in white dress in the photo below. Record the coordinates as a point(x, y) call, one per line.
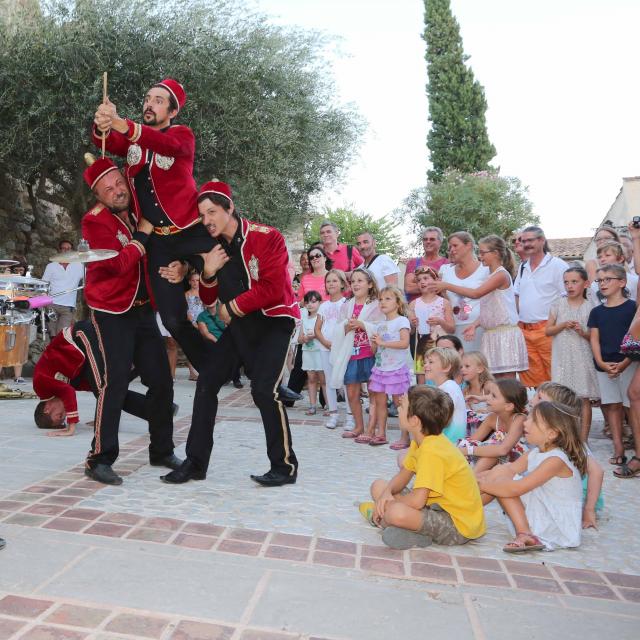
point(541, 492)
point(335, 283)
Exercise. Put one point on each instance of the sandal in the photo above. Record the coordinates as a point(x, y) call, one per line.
point(363, 438)
point(378, 440)
point(524, 542)
point(399, 445)
point(626, 472)
point(350, 434)
point(311, 411)
point(618, 461)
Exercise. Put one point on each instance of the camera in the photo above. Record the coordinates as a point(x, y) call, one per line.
point(636, 222)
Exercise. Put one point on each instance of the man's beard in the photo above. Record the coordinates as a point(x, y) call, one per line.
point(119, 208)
point(154, 118)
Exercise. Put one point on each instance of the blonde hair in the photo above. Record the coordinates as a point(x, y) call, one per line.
point(403, 308)
point(563, 420)
point(448, 358)
point(479, 358)
point(373, 293)
point(557, 392)
point(614, 247)
point(340, 275)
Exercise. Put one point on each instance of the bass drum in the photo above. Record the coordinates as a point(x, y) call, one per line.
point(14, 344)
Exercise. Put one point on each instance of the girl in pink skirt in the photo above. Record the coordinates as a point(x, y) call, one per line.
point(390, 374)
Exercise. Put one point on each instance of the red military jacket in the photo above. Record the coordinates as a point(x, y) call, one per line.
point(171, 154)
point(265, 258)
point(111, 285)
point(60, 363)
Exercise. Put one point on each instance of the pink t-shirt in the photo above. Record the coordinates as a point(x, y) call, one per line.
point(341, 259)
point(361, 344)
point(309, 282)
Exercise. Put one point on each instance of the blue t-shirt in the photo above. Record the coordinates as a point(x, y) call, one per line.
point(612, 323)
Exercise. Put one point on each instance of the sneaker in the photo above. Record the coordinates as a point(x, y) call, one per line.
point(392, 411)
point(19, 380)
point(349, 422)
point(367, 509)
point(332, 422)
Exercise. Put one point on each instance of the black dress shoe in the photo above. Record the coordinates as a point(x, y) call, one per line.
point(171, 462)
point(175, 408)
point(287, 395)
point(275, 479)
point(103, 473)
point(185, 472)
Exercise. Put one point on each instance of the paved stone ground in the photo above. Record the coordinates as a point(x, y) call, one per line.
point(224, 558)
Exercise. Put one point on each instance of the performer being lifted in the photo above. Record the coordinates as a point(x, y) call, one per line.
point(159, 169)
point(247, 272)
point(127, 332)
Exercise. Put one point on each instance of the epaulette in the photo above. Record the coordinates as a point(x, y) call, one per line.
point(96, 210)
point(259, 227)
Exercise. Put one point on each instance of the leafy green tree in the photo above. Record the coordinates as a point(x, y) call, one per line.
point(458, 137)
point(351, 224)
point(259, 97)
point(480, 203)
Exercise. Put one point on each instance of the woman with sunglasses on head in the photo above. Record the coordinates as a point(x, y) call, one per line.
point(314, 280)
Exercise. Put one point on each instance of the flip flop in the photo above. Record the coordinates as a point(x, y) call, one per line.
point(399, 445)
point(618, 461)
point(363, 438)
point(378, 440)
point(350, 434)
point(519, 545)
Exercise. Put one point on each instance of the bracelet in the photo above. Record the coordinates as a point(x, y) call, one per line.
point(210, 279)
point(470, 449)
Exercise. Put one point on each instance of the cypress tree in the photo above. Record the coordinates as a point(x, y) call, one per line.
point(458, 138)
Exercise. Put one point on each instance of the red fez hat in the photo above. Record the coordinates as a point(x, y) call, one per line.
point(221, 188)
point(97, 169)
point(175, 89)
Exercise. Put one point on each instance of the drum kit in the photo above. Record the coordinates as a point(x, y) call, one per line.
point(21, 297)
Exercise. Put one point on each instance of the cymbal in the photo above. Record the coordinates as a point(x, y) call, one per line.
point(93, 255)
point(8, 263)
point(11, 281)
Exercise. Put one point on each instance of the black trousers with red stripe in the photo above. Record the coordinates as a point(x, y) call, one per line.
point(85, 336)
point(125, 339)
point(261, 344)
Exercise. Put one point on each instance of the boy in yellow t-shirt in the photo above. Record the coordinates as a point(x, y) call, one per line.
point(444, 506)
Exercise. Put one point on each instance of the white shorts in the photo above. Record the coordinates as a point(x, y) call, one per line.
point(614, 390)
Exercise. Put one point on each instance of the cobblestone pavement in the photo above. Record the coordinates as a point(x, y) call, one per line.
point(87, 561)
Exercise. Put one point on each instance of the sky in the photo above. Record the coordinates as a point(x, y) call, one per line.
point(560, 81)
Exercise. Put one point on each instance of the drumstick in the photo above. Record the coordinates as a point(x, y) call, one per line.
point(104, 101)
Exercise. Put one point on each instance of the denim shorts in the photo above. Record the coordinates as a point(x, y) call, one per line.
point(359, 370)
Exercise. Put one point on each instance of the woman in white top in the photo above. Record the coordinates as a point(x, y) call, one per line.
point(465, 271)
point(502, 341)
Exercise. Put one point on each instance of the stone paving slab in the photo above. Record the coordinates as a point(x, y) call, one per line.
point(254, 563)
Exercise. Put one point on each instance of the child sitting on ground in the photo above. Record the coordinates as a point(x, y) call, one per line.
point(441, 367)
point(499, 437)
point(476, 377)
point(541, 492)
point(592, 499)
point(444, 506)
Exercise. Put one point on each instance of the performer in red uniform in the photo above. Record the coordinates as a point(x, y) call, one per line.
point(247, 272)
point(126, 328)
point(72, 362)
point(159, 171)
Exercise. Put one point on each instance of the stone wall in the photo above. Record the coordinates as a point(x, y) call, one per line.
point(32, 234)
